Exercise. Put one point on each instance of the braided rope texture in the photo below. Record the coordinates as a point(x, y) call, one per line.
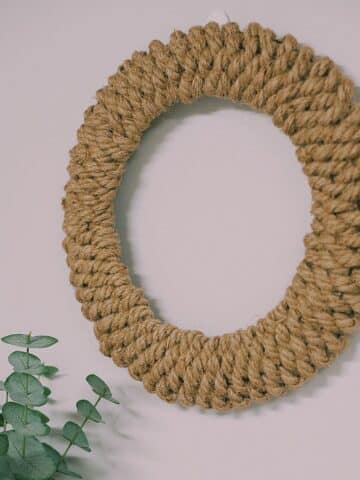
point(311, 101)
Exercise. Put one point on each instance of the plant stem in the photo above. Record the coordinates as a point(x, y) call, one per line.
point(71, 442)
point(25, 419)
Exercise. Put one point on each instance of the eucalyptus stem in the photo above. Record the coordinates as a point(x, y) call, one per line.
point(71, 442)
point(25, 419)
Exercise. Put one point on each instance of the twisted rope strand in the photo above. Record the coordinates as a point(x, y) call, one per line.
point(311, 101)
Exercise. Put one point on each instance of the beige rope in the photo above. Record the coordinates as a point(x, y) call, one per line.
point(311, 101)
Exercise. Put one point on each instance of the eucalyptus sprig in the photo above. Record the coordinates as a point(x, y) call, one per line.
point(23, 453)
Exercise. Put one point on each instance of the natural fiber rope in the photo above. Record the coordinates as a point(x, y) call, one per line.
point(311, 101)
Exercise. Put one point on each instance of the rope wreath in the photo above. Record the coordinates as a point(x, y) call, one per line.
point(311, 101)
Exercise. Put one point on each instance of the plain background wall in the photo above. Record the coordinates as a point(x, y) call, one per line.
point(211, 213)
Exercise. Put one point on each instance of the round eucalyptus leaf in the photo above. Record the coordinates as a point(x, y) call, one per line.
point(4, 444)
point(25, 389)
point(35, 464)
point(25, 362)
point(48, 371)
point(29, 341)
point(5, 469)
point(47, 391)
point(30, 423)
point(74, 433)
point(17, 339)
point(60, 462)
point(100, 387)
point(42, 341)
point(87, 410)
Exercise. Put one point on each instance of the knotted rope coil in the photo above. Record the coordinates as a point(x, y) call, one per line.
point(312, 102)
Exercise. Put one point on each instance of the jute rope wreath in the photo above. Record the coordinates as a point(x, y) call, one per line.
point(311, 101)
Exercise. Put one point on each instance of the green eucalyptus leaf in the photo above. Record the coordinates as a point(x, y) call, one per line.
point(42, 341)
point(29, 341)
point(35, 465)
point(5, 469)
point(48, 371)
point(87, 410)
point(25, 362)
point(100, 387)
point(74, 433)
point(47, 391)
point(25, 389)
point(4, 444)
point(27, 423)
point(2, 421)
point(60, 462)
point(17, 339)
point(112, 400)
point(2, 387)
